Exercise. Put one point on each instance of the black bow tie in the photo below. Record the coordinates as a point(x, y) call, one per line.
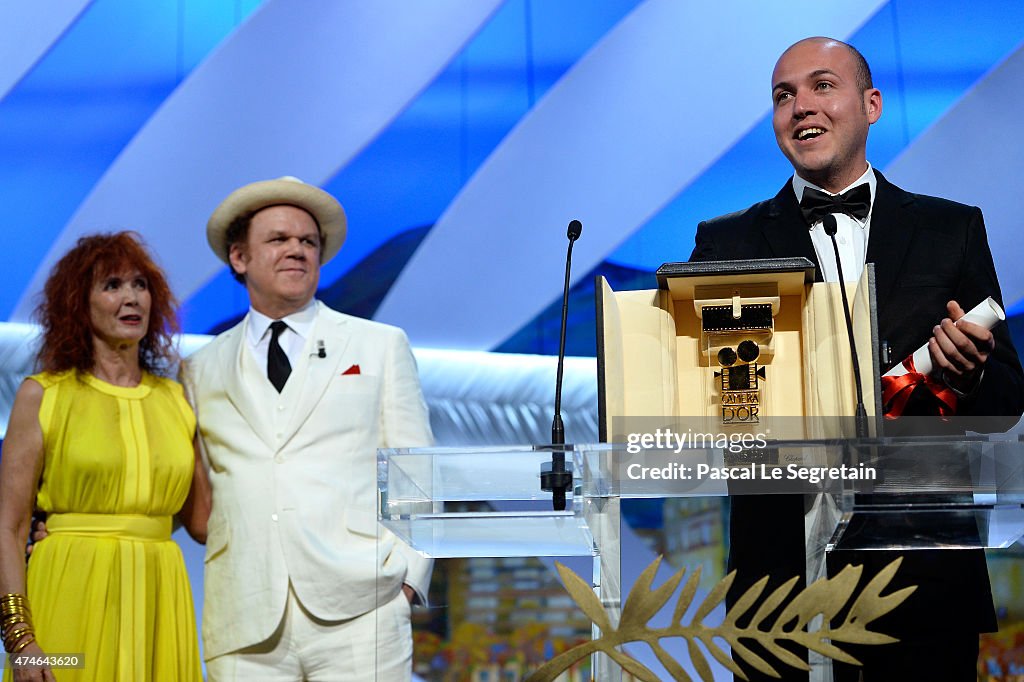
point(855, 203)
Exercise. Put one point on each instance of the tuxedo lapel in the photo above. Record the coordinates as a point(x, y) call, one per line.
point(893, 225)
point(240, 375)
point(786, 231)
point(315, 373)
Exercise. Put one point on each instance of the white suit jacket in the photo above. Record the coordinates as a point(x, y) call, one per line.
point(294, 476)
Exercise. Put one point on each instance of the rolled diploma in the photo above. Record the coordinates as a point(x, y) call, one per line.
point(986, 314)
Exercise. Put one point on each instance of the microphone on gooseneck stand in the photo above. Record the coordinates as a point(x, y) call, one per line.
point(558, 480)
point(557, 429)
point(831, 227)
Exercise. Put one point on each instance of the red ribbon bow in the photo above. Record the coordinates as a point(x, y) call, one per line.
point(896, 391)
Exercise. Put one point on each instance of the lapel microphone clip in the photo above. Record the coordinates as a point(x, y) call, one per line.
point(321, 352)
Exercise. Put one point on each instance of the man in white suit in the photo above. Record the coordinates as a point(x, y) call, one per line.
point(293, 403)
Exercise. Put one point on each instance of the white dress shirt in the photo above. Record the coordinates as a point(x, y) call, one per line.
point(851, 235)
point(292, 340)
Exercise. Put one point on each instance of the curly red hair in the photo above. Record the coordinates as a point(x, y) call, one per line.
point(67, 341)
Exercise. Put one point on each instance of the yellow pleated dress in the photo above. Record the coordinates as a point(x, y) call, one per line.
point(109, 582)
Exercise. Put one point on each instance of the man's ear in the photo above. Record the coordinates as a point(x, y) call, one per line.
point(238, 258)
point(873, 104)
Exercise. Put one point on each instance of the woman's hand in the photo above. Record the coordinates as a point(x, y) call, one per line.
point(33, 673)
point(38, 533)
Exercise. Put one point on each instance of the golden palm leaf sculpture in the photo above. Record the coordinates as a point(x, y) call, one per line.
point(825, 597)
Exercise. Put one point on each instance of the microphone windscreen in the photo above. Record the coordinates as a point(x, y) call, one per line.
point(575, 230)
point(830, 225)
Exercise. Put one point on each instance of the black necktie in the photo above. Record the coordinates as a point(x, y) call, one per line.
point(816, 205)
point(278, 367)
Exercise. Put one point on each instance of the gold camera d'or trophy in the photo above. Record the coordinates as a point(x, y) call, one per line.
point(736, 331)
point(730, 343)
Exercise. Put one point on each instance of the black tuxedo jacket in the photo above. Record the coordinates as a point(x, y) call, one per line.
point(926, 251)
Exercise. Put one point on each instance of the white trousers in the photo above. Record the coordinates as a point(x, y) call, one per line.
point(376, 646)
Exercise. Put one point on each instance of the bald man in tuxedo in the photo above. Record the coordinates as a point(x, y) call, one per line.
point(932, 262)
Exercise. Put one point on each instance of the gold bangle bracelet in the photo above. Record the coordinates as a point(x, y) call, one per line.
point(17, 631)
point(12, 621)
point(8, 632)
point(21, 645)
point(17, 613)
point(20, 610)
point(13, 606)
point(15, 618)
point(12, 639)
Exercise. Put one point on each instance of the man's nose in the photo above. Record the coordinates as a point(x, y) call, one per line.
point(295, 249)
point(803, 104)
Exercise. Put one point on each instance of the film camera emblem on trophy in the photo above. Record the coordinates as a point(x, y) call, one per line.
point(734, 337)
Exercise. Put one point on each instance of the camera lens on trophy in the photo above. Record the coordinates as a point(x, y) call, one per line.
point(748, 351)
point(726, 357)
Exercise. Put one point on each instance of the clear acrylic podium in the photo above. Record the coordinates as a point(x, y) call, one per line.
point(953, 492)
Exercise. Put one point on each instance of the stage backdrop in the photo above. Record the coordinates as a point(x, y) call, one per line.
point(463, 135)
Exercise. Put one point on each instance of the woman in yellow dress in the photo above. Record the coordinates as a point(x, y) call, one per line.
point(104, 446)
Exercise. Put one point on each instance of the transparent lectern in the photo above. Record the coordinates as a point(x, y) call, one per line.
point(978, 482)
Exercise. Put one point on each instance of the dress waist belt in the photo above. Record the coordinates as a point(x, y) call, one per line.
point(121, 526)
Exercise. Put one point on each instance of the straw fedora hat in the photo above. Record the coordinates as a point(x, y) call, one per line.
point(324, 208)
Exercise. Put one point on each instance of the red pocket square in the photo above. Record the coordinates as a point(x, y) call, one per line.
point(354, 369)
